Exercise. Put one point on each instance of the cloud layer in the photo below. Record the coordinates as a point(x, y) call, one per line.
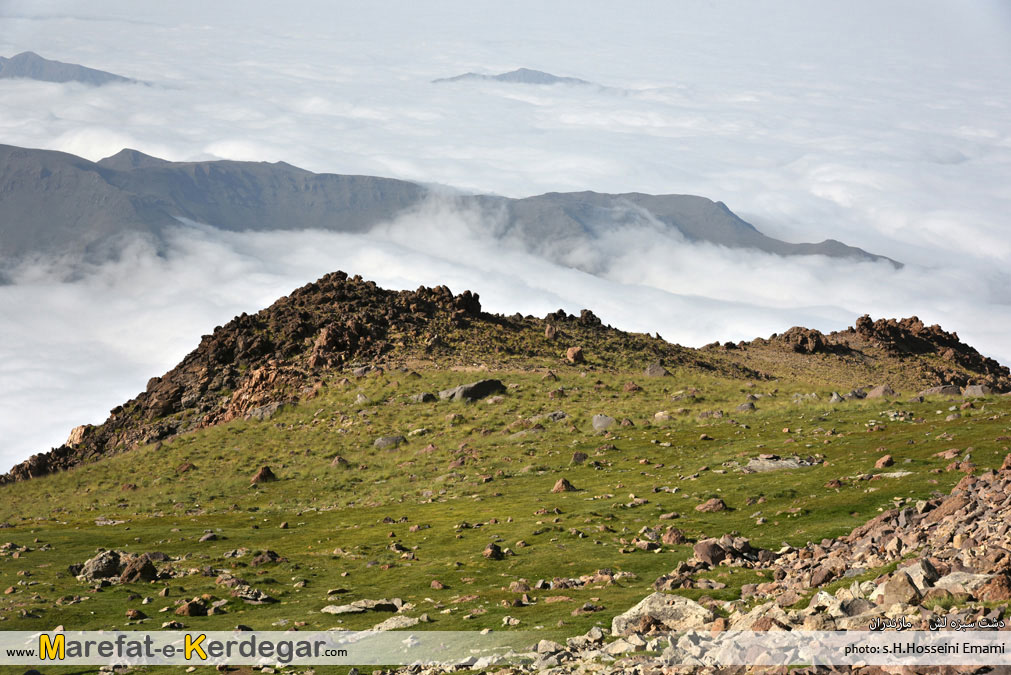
point(884, 126)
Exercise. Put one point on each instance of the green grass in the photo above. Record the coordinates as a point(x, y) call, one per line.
point(331, 508)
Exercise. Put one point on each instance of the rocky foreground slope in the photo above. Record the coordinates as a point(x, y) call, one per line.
point(954, 569)
point(345, 325)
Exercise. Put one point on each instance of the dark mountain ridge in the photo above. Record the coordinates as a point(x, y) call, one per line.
point(56, 203)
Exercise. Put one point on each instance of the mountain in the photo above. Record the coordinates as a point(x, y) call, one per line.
point(518, 76)
point(353, 458)
point(56, 203)
point(339, 325)
point(31, 66)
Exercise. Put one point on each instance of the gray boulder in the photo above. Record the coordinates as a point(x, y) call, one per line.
point(669, 612)
point(976, 390)
point(473, 391)
point(105, 565)
point(388, 442)
point(602, 423)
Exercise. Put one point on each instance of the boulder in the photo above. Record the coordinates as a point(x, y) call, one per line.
point(563, 485)
point(339, 462)
point(900, 588)
point(943, 390)
point(709, 551)
point(493, 552)
point(264, 475)
point(711, 506)
point(884, 461)
point(473, 391)
point(388, 442)
point(602, 423)
point(976, 390)
point(423, 397)
point(747, 406)
point(396, 623)
point(666, 612)
point(139, 568)
point(105, 565)
point(574, 355)
point(881, 391)
point(656, 369)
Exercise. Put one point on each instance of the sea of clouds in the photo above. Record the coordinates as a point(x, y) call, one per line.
point(884, 125)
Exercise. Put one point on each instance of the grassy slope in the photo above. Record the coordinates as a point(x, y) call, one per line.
point(331, 508)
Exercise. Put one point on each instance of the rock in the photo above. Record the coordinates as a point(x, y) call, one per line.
point(711, 506)
point(563, 485)
point(821, 576)
point(105, 565)
point(339, 462)
point(493, 552)
point(836, 398)
point(194, 607)
point(922, 572)
point(208, 536)
point(388, 442)
point(264, 475)
point(77, 434)
point(602, 423)
point(473, 391)
point(437, 585)
point(884, 461)
point(396, 623)
point(578, 457)
point(945, 390)
point(574, 354)
point(661, 611)
point(672, 536)
point(976, 390)
point(423, 397)
point(900, 588)
point(881, 391)
point(709, 551)
point(265, 558)
point(135, 614)
point(656, 369)
point(550, 332)
point(139, 568)
point(997, 589)
point(748, 406)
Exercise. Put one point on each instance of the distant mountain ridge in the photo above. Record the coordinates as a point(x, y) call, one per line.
point(31, 66)
point(57, 203)
point(518, 76)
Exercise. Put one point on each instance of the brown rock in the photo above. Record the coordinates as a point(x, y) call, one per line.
point(900, 588)
point(883, 462)
point(139, 569)
point(194, 607)
point(550, 332)
point(264, 475)
point(574, 355)
point(493, 552)
point(709, 551)
point(437, 585)
point(997, 589)
point(563, 485)
point(673, 537)
point(713, 505)
point(339, 462)
point(135, 614)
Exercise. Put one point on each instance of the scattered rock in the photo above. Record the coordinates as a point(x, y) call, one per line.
point(574, 354)
point(711, 506)
point(264, 475)
point(563, 485)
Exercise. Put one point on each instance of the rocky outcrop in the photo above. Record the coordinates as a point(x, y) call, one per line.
point(259, 362)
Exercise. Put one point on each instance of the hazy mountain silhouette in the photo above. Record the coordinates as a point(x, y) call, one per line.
point(520, 76)
point(31, 66)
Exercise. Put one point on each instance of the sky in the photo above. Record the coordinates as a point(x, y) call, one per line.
point(883, 125)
